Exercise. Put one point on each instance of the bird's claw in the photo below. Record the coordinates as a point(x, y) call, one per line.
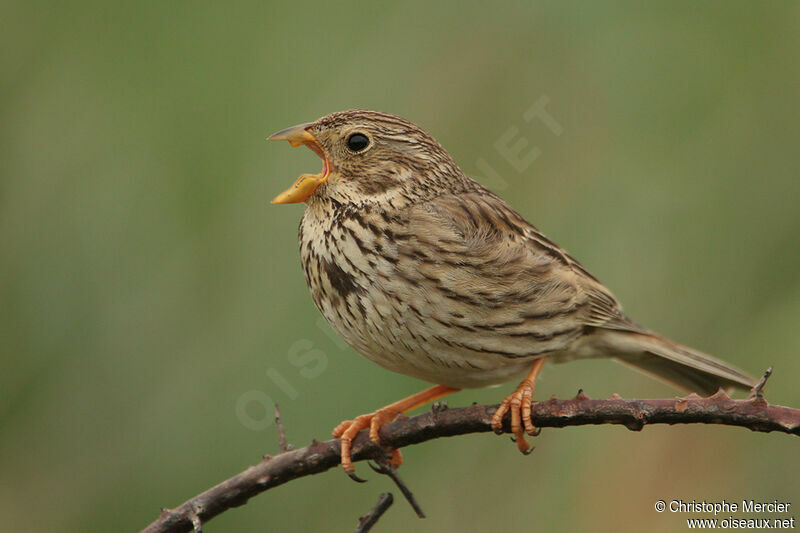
point(347, 431)
point(528, 451)
point(518, 404)
point(352, 475)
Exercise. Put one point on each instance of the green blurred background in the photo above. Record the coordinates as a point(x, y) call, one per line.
point(151, 298)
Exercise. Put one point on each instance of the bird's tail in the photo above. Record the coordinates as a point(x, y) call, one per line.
point(678, 365)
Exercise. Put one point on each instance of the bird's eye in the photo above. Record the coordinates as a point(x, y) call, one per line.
point(357, 142)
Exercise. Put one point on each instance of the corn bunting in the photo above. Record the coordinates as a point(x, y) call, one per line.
point(425, 272)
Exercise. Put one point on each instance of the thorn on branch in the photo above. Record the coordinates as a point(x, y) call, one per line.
point(439, 406)
point(756, 391)
point(281, 433)
point(383, 467)
point(366, 522)
point(197, 525)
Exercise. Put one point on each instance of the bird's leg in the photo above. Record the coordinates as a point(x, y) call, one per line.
point(519, 403)
point(347, 430)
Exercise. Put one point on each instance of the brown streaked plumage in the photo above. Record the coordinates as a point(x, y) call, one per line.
point(425, 272)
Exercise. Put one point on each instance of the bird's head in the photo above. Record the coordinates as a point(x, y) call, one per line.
point(367, 157)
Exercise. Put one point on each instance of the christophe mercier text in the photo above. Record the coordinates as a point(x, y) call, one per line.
point(747, 506)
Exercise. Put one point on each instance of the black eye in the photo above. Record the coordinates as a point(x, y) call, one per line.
point(357, 142)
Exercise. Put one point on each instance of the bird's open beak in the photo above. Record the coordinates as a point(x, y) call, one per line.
point(306, 184)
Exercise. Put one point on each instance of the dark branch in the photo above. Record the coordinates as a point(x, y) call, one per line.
point(385, 468)
point(754, 413)
point(366, 522)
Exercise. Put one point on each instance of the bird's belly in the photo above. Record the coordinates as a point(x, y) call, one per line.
point(393, 336)
point(450, 368)
point(393, 345)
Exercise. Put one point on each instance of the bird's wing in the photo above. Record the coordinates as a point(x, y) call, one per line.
point(500, 275)
point(491, 228)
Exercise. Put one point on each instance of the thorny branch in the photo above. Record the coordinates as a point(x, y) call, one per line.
point(753, 413)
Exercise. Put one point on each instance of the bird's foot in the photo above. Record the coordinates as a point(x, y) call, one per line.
point(519, 403)
point(347, 431)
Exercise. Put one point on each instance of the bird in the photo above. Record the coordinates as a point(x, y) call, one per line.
point(427, 273)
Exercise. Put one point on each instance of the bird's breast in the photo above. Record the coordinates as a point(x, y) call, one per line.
point(349, 262)
point(382, 288)
point(338, 259)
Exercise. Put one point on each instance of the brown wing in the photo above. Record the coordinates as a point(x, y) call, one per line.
point(507, 287)
point(521, 262)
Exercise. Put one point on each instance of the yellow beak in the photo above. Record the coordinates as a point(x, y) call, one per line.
point(306, 184)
